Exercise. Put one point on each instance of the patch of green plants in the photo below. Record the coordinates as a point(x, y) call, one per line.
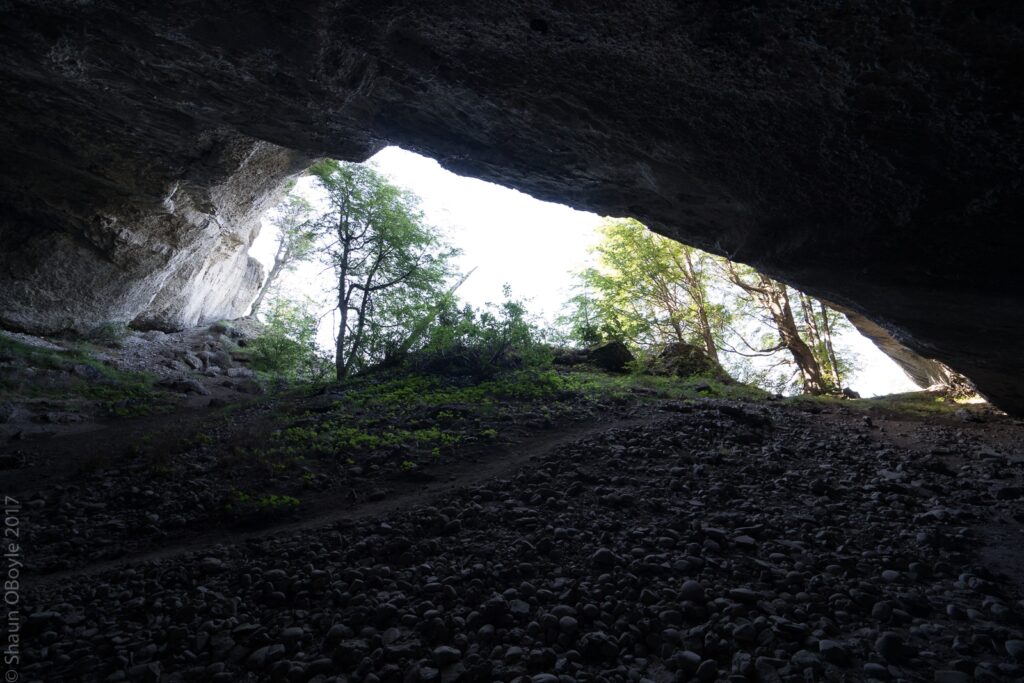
point(423, 391)
point(240, 503)
point(602, 386)
point(120, 393)
point(287, 347)
point(910, 404)
point(109, 333)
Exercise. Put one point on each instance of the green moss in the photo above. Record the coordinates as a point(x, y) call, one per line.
point(602, 386)
point(119, 393)
point(909, 404)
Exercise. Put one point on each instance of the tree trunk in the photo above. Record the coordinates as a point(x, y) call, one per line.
point(344, 294)
point(275, 270)
point(357, 337)
point(774, 298)
point(339, 347)
point(697, 294)
point(829, 348)
point(782, 313)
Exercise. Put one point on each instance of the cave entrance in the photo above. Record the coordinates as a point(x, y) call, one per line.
point(508, 241)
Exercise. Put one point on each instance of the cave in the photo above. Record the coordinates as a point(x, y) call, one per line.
point(869, 153)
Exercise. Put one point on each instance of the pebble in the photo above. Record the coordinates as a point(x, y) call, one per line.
point(692, 591)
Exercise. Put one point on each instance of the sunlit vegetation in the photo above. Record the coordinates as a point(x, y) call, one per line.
point(649, 291)
point(395, 305)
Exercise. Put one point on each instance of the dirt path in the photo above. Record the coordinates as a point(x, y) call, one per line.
point(491, 463)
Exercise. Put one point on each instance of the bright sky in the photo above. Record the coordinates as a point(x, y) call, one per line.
point(512, 238)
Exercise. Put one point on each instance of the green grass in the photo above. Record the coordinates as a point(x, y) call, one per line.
point(120, 393)
point(242, 504)
point(600, 385)
point(911, 404)
point(428, 415)
point(400, 393)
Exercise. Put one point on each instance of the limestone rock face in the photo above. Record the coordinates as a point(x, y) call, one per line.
point(167, 264)
point(868, 152)
point(924, 372)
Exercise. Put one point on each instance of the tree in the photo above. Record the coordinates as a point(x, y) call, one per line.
point(648, 290)
point(807, 333)
point(388, 264)
point(486, 342)
point(287, 346)
point(582, 322)
point(295, 224)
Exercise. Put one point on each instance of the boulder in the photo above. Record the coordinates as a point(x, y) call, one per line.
point(612, 356)
point(680, 359)
point(184, 385)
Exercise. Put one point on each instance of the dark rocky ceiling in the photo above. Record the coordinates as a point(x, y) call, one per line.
point(867, 151)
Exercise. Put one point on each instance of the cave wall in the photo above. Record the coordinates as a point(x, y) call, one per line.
point(869, 152)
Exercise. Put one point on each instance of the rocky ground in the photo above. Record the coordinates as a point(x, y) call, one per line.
point(53, 386)
point(706, 539)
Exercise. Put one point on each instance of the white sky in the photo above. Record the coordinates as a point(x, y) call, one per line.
point(512, 238)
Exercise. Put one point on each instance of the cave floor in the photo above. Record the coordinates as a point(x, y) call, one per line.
point(650, 539)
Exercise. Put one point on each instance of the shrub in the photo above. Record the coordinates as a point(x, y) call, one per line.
point(109, 333)
point(287, 348)
point(484, 343)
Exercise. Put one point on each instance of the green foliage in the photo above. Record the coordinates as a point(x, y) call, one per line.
point(484, 343)
point(582, 323)
point(242, 504)
point(620, 388)
point(295, 223)
point(650, 291)
point(914, 404)
point(390, 266)
point(287, 347)
point(119, 393)
point(647, 290)
point(109, 333)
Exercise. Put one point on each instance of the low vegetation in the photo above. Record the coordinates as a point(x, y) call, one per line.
point(73, 372)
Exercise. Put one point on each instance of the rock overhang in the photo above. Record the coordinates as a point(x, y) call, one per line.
point(870, 153)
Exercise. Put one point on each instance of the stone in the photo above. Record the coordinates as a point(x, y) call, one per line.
point(603, 557)
point(445, 655)
point(1015, 648)
point(263, 657)
point(951, 676)
point(87, 372)
point(805, 659)
point(692, 591)
point(834, 652)
point(890, 647)
point(707, 671)
point(680, 359)
point(185, 386)
point(612, 356)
